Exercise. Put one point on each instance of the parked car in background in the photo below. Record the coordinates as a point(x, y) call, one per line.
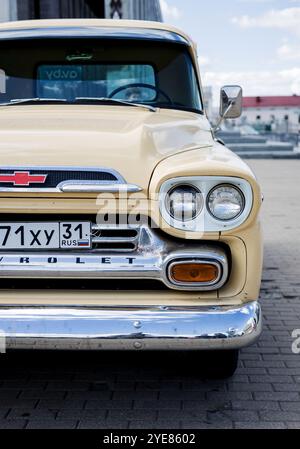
point(124, 223)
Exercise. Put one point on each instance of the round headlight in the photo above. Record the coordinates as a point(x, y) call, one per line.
point(184, 202)
point(225, 202)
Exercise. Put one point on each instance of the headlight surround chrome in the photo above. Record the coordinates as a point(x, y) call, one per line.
point(184, 202)
point(225, 202)
point(205, 221)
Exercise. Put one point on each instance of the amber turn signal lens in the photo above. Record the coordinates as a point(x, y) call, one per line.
point(194, 272)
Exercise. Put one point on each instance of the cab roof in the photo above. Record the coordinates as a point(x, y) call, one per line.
point(116, 29)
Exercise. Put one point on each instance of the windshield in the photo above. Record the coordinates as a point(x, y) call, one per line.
point(96, 80)
point(152, 73)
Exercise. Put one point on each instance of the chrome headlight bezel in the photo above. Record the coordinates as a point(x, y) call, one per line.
point(205, 221)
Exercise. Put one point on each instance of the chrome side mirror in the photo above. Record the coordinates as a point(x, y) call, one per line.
point(231, 105)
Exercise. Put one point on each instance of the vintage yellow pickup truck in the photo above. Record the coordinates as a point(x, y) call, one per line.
point(124, 223)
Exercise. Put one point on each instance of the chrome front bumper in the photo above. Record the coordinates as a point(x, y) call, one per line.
point(131, 328)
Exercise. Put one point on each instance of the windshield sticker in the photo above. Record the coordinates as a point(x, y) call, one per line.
point(2, 82)
point(60, 73)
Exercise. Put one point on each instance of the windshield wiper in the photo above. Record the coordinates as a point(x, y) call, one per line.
point(33, 100)
point(116, 101)
point(77, 100)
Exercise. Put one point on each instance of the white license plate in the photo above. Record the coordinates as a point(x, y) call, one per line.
point(45, 235)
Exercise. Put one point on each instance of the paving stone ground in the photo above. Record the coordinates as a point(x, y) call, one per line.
point(82, 390)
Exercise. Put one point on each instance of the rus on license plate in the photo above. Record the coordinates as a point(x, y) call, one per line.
point(45, 235)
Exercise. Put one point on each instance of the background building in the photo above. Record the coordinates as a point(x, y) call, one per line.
point(117, 9)
point(279, 114)
point(8, 10)
point(134, 9)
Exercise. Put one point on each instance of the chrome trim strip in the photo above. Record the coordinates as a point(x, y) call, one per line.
point(97, 187)
point(114, 239)
point(106, 266)
point(116, 227)
point(131, 328)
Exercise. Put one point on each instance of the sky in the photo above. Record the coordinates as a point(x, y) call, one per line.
point(254, 43)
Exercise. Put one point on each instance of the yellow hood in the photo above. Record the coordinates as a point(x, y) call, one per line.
point(132, 141)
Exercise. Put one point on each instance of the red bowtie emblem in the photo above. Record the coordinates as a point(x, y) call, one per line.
point(23, 178)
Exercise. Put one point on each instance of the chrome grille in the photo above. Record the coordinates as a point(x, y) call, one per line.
point(115, 238)
point(134, 253)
